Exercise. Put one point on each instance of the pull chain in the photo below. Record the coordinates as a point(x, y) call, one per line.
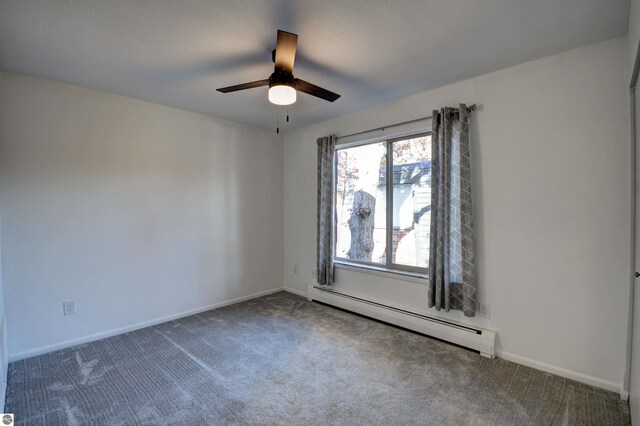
point(278, 119)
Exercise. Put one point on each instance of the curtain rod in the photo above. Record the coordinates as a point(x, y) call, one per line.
point(469, 109)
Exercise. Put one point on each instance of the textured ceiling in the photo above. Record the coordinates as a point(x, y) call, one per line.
point(370, 51)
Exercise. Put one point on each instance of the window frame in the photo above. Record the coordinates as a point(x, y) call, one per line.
point(388, 266)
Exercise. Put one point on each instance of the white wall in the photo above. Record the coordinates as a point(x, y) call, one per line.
point(633, 38)
point(550, 150)
point(634, 379)
point(4, 362)
point(633, 32)
point(134, 210)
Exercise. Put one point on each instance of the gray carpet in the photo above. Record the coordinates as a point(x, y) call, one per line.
point(282, 360)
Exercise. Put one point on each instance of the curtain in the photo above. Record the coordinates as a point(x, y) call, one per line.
point(452, 272)
point(326, 151)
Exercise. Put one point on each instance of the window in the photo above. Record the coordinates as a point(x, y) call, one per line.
point(383, 201)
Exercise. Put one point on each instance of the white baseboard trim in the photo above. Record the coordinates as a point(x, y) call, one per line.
point(567, 374)
point(296, 291)
point(104, 334)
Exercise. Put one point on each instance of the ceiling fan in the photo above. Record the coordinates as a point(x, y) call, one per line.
point(282, 85)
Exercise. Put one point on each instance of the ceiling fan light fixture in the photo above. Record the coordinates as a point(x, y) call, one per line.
point(283, 87)
point(282, 94)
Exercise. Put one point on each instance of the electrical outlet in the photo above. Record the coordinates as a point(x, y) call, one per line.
point(69, 307)
point(485, 310)
point(295, 269)
point(313, 274)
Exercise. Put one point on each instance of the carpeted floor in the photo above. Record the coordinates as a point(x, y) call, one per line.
point(282, 360)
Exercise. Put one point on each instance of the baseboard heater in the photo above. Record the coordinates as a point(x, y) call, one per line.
point(478, 339)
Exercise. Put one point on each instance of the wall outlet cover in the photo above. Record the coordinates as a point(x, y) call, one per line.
point(484, 310)
point(69, 307)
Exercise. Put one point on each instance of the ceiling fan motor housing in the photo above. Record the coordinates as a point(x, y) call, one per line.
point(281, 78)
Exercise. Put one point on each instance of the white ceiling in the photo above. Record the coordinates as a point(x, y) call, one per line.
point(176, 52)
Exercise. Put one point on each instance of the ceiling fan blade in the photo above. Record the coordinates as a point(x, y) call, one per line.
point(313, 90)
point(286, 51)
point(244, 86)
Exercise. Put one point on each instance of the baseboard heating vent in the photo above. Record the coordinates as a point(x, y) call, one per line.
point(478, 339)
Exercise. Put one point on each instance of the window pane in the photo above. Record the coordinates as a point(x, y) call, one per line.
point(361, 203)
point(411, 201)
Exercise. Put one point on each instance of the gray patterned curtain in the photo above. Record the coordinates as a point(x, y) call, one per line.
point(452, 272)
point(326, 151)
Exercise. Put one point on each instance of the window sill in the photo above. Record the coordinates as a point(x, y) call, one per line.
point(414, 277)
